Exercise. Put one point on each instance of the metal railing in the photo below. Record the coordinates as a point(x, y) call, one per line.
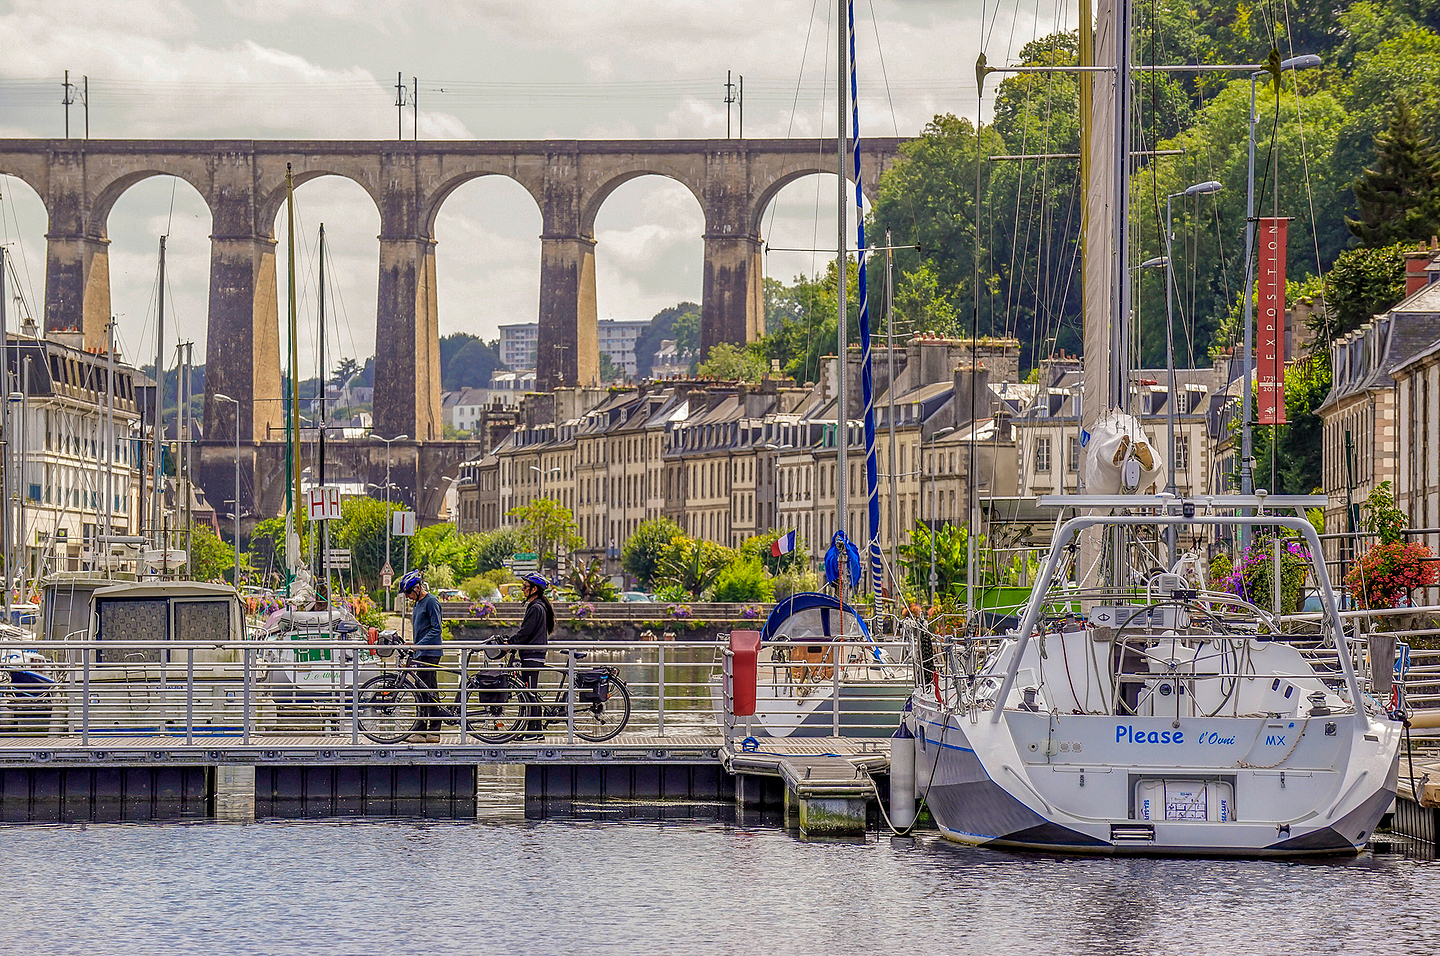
point(289, 692)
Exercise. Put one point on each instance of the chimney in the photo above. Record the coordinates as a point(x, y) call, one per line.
point(970, 382)
point(1416, 278)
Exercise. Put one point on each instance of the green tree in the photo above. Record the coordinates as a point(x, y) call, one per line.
point(951, 558)
point(1360, 285)
point(1296, 445)
point(1398, 195)
point(662, 326)
point(442, 545)
point(741, 582)
point(1209, 230)
point(687, 331)
point(645, 548)
point(361, 529)
point(693, 564)
point(210, 558)
point(609, 371)
point(758, 547)
point(347, 369)
point(471, 365)
point(732, 363)
point(548, 526)
point(590, 582)
point(496, 547)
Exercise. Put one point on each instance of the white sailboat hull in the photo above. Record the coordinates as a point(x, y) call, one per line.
point(1203, 786)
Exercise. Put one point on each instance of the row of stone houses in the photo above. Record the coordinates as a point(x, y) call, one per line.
point(1382, 416)
point(728, 461)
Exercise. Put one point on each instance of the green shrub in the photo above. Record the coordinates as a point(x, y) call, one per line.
point(793, 582)
point(742, 581)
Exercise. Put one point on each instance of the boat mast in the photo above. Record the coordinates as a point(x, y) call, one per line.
point(157, 429)
point(109, 444)
point(320, 383)
point(842, 370)
point(890, 359)
point(5, 458)
point(1106, 290)
point(292, 421)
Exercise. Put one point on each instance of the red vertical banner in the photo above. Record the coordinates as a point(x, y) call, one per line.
point(1270, 315)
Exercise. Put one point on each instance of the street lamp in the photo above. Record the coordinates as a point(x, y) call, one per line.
point(934, 579)
point(1247, 477)
point(389, 604)
point(236, 403)
point(1199, 189)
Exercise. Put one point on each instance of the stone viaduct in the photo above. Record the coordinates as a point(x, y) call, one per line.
point(243, 183)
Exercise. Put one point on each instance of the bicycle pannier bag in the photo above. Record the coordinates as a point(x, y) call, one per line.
point(593, 687)
point(490, 688)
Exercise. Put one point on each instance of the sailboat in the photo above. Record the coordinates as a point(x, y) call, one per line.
point(1136, 712)
point(307, 675)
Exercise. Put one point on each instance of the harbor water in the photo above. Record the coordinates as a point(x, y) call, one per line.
point(679, 879)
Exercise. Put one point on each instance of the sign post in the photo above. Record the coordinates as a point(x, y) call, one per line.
point(402, 524)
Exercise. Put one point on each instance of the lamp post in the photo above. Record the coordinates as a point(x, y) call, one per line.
point(1247, 477)
point(388, 442)
point(1199, 189)
point(236, 403)
point(934, 579)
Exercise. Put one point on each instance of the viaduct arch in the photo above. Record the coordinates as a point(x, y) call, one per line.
point(243, 183)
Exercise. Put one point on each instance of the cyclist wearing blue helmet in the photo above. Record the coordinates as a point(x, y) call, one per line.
point(428, 650)
point(534, 637)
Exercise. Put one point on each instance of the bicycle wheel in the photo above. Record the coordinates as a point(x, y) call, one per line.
point(496, 714)
point(389, 709)
point(604, 719)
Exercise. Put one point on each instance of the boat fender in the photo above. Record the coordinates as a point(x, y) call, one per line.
point(903, 785)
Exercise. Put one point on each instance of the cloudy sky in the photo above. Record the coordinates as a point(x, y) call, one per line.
point(508, 69)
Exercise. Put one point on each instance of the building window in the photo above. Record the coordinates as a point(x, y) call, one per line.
point(1182, 452)
point(1073, 456)
point(1042, 455)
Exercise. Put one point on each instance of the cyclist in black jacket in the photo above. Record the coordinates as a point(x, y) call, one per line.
point(533, 638)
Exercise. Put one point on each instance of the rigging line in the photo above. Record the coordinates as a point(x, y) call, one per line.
point(815, 230)
point(795, 103)
point(884, 74)
point(1309, 192)
point(1010, 278)
point(170, 216)
point(19, 244)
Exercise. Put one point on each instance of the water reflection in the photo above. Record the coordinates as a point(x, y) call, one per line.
point(598, 885)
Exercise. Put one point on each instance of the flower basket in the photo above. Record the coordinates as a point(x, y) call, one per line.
point(1252, 576)
point(680, 612)
point(582, 612)
point(482, 610)
point(750, 612)
point(1389, 573)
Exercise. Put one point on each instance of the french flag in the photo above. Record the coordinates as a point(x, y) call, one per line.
point(783, 545)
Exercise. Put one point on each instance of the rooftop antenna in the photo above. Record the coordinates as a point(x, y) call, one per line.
point(400, 92)
point(66, 100)
point(415, 109)
point(729, 99)
point(85, 102)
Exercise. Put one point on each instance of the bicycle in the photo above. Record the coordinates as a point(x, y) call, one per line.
point(602, 701)
point(390, 705)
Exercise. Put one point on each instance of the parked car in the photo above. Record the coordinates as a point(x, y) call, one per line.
point(637, 597)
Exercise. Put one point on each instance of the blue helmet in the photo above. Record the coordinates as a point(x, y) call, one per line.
point(409, 581)
point(536, 579)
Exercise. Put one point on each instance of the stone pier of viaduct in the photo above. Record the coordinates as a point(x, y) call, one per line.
point(243, 183)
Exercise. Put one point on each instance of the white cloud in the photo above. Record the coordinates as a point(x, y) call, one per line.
point(388, 14)
point(324, 69)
